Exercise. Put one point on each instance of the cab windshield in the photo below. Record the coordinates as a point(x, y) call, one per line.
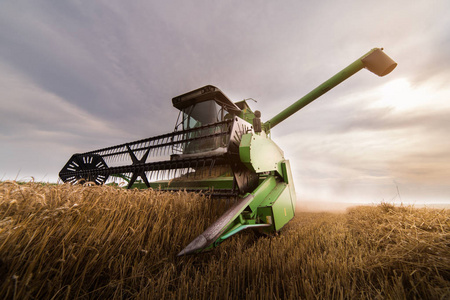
point(206, 139)
point(202, 113)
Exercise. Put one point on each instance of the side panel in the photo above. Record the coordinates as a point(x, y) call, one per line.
point(282, 209)
point(277, 208)
point(287, 174)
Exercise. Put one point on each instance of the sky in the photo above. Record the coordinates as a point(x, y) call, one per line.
point(81, 75)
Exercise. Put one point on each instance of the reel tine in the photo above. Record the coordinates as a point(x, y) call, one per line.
point(174, 172)
point(180, 171)
point(159, 174)
point(161, 148)
point(211, 166)
point(196, 168)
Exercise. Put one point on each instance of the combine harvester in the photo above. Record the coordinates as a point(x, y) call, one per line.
point(220, 148)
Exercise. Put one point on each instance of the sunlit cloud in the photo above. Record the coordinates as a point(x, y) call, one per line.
point(403, 97)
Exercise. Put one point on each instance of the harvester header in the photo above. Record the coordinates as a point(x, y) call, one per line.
point(220, 148)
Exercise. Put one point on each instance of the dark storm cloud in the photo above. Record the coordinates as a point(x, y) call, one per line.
point(49, 55)
point(84, 55)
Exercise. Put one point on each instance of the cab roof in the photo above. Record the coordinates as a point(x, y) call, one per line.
point(208, 92)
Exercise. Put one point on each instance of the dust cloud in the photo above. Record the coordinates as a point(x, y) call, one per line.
point(323, 206)
point(342, 207)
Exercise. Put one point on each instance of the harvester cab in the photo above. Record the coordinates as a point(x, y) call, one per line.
point(220, 148)
point(203, 106)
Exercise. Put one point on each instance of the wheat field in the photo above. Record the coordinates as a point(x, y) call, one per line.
point(66, 242)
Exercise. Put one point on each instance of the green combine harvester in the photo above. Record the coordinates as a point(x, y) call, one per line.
point(220, 148)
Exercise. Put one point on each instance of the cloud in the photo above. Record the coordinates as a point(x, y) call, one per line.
point(63, 49)
point(76, 76)
point(365, 146)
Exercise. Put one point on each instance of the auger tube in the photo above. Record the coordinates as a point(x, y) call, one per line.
point(375, 61)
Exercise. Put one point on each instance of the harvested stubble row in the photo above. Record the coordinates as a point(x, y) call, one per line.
point(59, 241)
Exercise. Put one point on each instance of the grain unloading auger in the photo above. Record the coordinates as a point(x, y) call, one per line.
point(220, 148)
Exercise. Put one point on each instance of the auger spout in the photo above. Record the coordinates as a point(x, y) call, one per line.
point(375, 61)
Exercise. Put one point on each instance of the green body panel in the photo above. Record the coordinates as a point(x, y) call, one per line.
point(240, 227)
point(216, 183)
point(246, 112)
point(265, 211)
point(288, 179)
point(278, 207)
point(274, 194)
point(263, 191)
point(260, 154)
point(282, 208)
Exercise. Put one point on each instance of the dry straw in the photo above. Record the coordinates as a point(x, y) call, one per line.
point(64, 242)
